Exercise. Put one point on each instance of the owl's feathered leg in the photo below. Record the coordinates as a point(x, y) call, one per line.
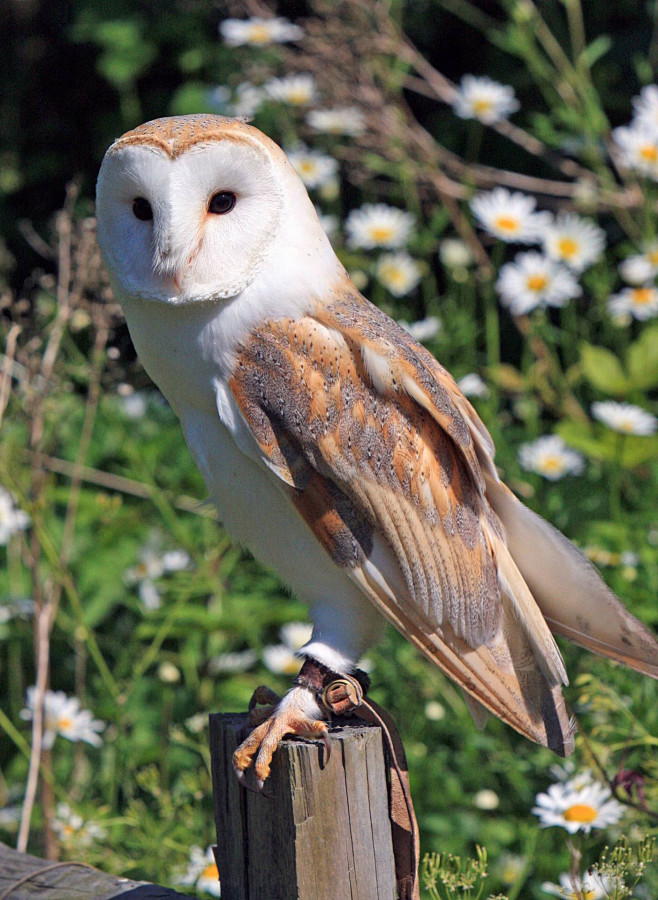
point(298, 713)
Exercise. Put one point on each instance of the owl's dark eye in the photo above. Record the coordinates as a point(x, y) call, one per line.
point(142, 209)
point(221, 202)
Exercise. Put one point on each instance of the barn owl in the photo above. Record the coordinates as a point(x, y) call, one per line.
point(335, 447)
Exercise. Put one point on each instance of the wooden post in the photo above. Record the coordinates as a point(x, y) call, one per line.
point(321, 833)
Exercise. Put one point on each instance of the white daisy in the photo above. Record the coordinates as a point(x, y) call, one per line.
point(378, 225)
point(247, 100)
point(510, 867)
point(510, 216)
point(533, 280)
point(197, 723)
point(591, 887)
point(549, 456)
point(486, 799)
point(12, 519)
point(133, 403)
point(10, 816)
point(296, 634)
point(573, 241)
point(153, 565)
point(642, 267)
point(471, 385)
point(149, 595)
point(346, 120)
point(175, 560)
point(281, 660)
point(577, 809)
point(259, 31)
point(135, 406)
point(639, 302)
point(646, 107)
point(62, 715)
point(14, 609)
point(424, 329)
point(71, 828)
point(168, 672)
point(484, 99)
point(296, 90)
point(566, 771)
point(328, 222)
point(638, 148)
point(312, 166)
point(218, 97)
point(398, 272)
point(201, 872)
point(435, 711)
point(237, 661)
point(455, 253)
point(625, 417)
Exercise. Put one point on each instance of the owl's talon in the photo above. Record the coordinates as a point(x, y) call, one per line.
point(298, 715)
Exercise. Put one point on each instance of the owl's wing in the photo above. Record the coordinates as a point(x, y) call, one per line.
point(384, 459)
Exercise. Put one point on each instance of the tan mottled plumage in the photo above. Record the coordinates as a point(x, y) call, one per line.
point(334, 445)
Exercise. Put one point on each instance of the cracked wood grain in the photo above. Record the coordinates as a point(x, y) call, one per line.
point(323, 831)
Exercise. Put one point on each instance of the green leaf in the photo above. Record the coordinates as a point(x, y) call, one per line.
point(596, 50)
point(191, 97)
point(603, 370)
point(600, 443)
point(642, 359)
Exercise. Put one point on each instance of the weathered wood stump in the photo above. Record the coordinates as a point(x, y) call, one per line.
point(323, 830)
point(25, 877)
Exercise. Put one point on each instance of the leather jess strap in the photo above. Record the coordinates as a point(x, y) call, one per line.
point(346, 695)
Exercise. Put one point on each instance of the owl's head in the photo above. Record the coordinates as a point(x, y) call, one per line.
point(191, 207)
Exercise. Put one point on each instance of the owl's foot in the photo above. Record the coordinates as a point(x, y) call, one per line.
point(297, 714)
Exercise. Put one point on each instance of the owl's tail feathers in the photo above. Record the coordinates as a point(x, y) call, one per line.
point(502, 677)
point(572, 596)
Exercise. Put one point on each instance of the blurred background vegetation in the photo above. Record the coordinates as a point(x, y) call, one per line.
point(146, 610)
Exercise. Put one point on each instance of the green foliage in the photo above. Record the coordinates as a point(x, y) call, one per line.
point(145, 652)
point(625, 865)
point(447, 876)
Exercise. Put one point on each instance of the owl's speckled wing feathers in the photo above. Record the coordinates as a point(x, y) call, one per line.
point(384, 460)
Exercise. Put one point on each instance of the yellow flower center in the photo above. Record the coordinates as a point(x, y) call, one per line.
point(382, 233)
point(507, 223)
point(210, 871)
point(68, 830)
point(393, 275)
point(291, 667)
point(308, 166)
point(583, 894)
point(580, 812)
point(63, 724)
point(649, 152)
point(552, 464)
point(259, 34)
point(482, 106)
point(298, 96)
point(567, 247)
point(653, 257)
point(642, 295)
point(536, 282)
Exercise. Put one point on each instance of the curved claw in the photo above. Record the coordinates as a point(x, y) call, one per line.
point(260, 785)
point(242, 779)
point(296, 716)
